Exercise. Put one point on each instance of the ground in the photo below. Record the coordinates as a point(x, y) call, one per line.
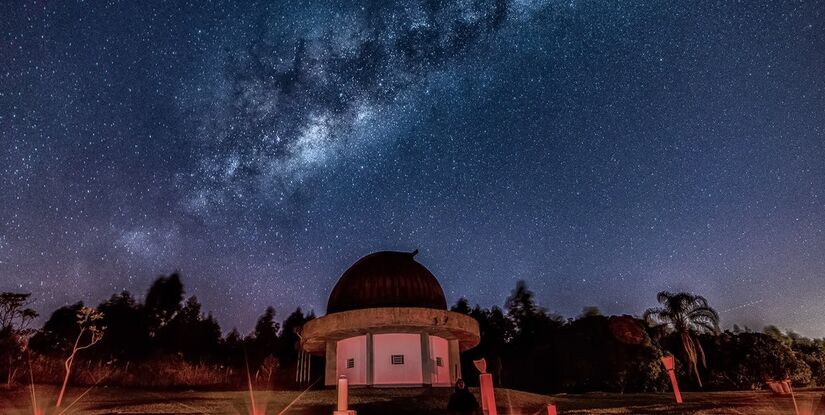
point(100, 401)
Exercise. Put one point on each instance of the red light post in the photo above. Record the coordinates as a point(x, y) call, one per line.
point(670, 365)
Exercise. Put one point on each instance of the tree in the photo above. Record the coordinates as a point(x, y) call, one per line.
point(163, 301)
point(266, 329)
point(195, 336)
point(269, 365)
point(90, 333)
point(15, 316)
point(232, 350)
point(288, 341)
point(812, 352)
point(15, 311)
point(687, 316)
point(531, 323)
point(777, 334)
point(747, 360)
point(127, 328)
point(59, 331)
point(521, 306)
point(265, 338)
point(290, 359)
point(462, 306)
point(532, 331)
point(590, 311)
point(496, 331)
point(600, 353)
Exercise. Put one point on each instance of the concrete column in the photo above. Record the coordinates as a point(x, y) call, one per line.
point(454, 361)
point(426, 360)
point(331, 364)
point(370, 363)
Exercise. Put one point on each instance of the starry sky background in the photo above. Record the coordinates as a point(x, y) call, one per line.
point(601, 151)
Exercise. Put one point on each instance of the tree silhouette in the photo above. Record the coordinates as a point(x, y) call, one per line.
point(266, 329)
point(288, 342)
point(59, 331)
point(14, 311)
point(163, 301)
point(525, 346)
point(591, 311)
point(15, 316)
point(88, 335)
point(264, 340)
point(496, 331)
point(533, 330)
point(232, 352)
point(687, 316)
point(462, 306)
point(531, 323)
point(192, 334)
point(127, 333)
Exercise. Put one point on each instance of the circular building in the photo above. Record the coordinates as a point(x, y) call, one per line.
point(387, 324)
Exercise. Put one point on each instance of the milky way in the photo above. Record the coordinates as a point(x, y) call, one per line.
point(600, 151)
point(296, 100)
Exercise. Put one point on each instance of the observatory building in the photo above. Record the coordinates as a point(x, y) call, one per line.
point(387, 324)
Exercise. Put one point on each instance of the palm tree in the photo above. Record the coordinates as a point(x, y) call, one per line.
point(686, 315)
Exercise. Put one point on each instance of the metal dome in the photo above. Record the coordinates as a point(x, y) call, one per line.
point(386, 279)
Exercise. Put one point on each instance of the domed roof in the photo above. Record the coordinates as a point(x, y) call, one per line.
point(386, 279)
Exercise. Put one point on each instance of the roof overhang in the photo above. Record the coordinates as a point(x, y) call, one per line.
point(442, 323)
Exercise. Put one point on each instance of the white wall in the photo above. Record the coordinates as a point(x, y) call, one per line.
point(386, 345)
point(440, 348)
point(352, 348)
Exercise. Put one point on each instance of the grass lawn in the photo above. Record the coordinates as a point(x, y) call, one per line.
point(101, 401)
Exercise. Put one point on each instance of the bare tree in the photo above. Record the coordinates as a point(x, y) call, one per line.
point(268, 366)
point(90, 333)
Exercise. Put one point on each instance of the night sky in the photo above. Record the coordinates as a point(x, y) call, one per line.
point(601, 151)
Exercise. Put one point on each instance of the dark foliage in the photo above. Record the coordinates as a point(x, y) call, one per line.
point(170, 342)
point(127, 328)
point(163, 300)
point(530, 349)
point(263, 341)
point(58, 333)
point(685, 316)
point(169, 335)
point(192, 335)
point(15, 316)
point(746, 360)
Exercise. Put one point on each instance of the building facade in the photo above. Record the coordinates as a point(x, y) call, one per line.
point(387, 324)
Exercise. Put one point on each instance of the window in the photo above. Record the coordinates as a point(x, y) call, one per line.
point(439, 362)
point(350, 363)
point(398, 359)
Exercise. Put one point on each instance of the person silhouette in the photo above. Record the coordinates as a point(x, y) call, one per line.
point(462, 401)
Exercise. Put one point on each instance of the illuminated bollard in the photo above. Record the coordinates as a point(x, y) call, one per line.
point(488, 395)
point(342, 393)
point(670, 365)
point(551, 409)
point(343, 398)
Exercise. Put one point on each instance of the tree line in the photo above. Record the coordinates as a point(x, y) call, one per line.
point(168, 341)
point(529, 348)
